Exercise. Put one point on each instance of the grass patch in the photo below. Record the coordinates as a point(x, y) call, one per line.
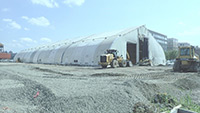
point(188, 104)
point(165, 103)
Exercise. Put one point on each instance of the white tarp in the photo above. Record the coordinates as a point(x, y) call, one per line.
point(87, 50)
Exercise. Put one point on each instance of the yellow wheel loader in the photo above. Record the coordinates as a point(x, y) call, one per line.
point(187, 60)
point(111, 58)
point(145, 62)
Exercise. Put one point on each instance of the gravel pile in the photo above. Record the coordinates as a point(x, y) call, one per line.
point(37, 88)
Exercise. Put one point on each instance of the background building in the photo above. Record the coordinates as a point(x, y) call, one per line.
point(183, 44)
point(160, 38)
point(4, 55)
point(1, 48)
point(172, 44)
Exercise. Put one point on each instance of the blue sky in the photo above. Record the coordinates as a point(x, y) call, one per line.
point(29, 23)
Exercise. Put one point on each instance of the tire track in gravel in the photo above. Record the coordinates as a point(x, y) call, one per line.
point(167, 76)
point(51, 71)
point(154, 76)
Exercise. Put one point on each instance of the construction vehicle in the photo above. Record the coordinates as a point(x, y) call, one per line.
point(145, 62)
point(111, 58)
point(187, 60)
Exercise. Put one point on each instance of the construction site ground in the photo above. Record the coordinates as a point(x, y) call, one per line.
point(34, 88)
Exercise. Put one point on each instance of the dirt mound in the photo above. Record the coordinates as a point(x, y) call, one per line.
point(147, 89)
point(189, 83)
point(24, 95)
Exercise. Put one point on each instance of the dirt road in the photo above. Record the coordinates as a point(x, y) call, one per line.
point(35, 88)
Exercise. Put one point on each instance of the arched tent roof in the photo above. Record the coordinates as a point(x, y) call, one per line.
point(87, 50)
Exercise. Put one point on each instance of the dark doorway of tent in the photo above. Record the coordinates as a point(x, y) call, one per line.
point(143, 48)
point(131, 52)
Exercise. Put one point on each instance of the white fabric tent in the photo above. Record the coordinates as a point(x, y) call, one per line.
point(87, 50)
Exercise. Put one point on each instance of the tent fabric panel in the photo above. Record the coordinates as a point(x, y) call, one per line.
point(119, 44)
point(32, 56)
point(52, 55)
point(37, 54)
point(43, 57)
point(59, 54)
point(28, 56)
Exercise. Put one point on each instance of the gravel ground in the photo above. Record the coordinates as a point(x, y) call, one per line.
point(34, 88)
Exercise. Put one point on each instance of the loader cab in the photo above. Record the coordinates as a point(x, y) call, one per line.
point(112, 51)
point(186, 52)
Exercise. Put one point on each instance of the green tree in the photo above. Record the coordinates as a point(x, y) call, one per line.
point(170, 55)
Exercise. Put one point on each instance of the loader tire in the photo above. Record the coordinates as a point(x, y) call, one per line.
point(195, 67)
point(176, 67)
point(129, 64)
point(114, 63)
point(199, 68)
point(123, 63)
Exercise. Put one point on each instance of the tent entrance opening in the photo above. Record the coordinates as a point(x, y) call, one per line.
point(131, 49)
point(143, 49)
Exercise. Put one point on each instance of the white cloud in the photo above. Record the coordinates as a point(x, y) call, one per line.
point(14, 40)
point(190, 32)
point(26, 29)
point(13, 46)
point(12, 24)
point(15, 25)
point(181, 23)
point(25, 17)
point(47, 3)
point(26, 39)
point(40, 21)
point(45, 39)
point(7, 20)
point(74, 2)
point(5, 10)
